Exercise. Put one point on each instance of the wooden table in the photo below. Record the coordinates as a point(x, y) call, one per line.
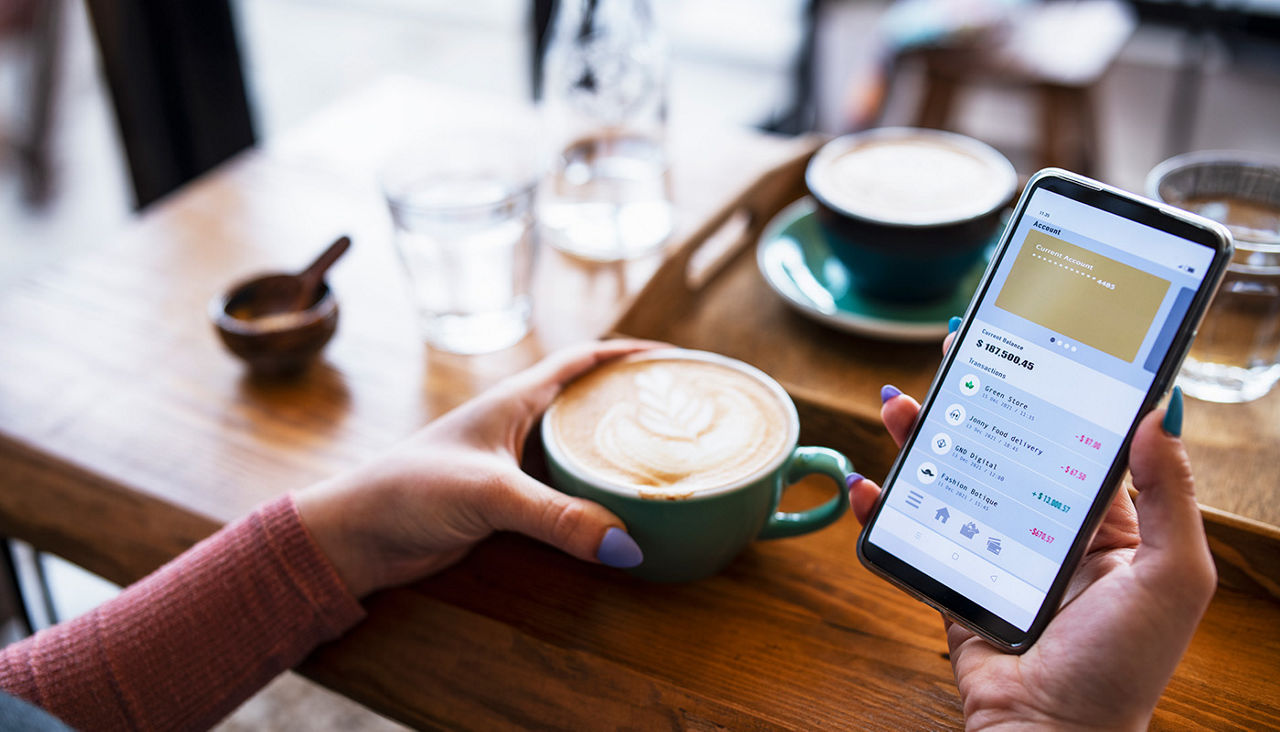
point(127, 434)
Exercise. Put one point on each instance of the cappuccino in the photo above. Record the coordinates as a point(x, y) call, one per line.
point(671, 427)
point(911, 179)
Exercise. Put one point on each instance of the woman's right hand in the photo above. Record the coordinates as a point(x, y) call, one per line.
point(425, 503)
point(1129, 612)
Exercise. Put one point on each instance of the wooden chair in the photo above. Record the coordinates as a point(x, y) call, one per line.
point(177, 85)
point(1056, 51)
point(38, 25)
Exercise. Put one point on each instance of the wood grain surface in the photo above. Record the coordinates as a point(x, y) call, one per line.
point(126, 434)
point(1235, 447)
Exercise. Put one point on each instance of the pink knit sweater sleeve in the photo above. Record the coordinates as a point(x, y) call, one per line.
point(186, 645)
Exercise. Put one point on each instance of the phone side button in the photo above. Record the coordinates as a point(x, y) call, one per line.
point(1190, 342)
point(1173, 375)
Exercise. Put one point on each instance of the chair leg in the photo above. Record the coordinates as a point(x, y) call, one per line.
point(28, 573)
point(1068, 129)
point(39, 96)
point(937, 101)
point(1090, 140)
point(1188, 83)
point(1050, 127)
point(42, 582)
point(12, 607)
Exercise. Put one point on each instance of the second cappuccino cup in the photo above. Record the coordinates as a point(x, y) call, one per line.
point(692, 450)
point(909, 211)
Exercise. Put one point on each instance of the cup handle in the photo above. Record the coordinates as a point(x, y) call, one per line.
point(809, 461)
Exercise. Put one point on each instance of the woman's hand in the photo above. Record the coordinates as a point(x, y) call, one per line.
point(1129, 611)
point(429, 500)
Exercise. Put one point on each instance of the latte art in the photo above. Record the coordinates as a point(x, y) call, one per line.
point(670, 427)
point(667, 408)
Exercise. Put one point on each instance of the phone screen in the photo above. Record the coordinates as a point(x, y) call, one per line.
point(1050, 370)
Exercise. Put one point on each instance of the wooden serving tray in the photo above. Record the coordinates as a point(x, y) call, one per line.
point(710, 295)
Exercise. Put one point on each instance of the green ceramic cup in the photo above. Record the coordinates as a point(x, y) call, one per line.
point(690, 538)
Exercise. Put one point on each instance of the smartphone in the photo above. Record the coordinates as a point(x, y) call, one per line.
point(1077, 329)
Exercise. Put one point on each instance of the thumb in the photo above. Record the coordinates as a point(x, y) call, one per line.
point(576, 526)
point(1169, 520)
point(540, 383)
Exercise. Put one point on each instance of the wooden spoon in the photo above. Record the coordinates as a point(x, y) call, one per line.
point(294, 293)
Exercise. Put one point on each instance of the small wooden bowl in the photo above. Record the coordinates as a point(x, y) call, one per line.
point(280, 344)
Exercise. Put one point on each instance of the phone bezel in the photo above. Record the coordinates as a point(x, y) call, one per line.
point(1121, 203)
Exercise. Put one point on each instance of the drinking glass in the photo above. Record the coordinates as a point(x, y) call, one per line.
point(462, 206)
point(1236, 355)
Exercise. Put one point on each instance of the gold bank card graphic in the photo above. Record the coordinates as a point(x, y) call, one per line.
point(1083, 295)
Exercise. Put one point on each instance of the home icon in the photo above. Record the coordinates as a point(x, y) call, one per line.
point(942, 515)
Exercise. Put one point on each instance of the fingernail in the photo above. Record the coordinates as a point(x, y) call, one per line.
point(953, 324)
point(888, 391)
point(619, 550)
point(1173, 413)
point(854, 478)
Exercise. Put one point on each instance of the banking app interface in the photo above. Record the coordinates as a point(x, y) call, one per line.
point(1080, 313)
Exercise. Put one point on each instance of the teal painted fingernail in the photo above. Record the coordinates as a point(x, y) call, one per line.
point(619, 550)
point(1173, 413)
point(954, 323)
point(888, 391)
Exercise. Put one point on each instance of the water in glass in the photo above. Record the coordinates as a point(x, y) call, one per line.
point(467, 247)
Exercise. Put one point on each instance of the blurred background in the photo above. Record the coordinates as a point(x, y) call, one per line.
point(1107, 87)
point(1136, 81)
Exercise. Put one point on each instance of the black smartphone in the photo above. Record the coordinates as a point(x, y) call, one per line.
point(1078, 328)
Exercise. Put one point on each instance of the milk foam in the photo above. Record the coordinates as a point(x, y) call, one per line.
point(670, 427)
point(911, 180)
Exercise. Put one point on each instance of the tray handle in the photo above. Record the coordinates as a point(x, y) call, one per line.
point(704, 254)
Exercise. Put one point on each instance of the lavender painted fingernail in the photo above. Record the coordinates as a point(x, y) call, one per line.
point(889, 391)
point(854, 478)
point(619, 550)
